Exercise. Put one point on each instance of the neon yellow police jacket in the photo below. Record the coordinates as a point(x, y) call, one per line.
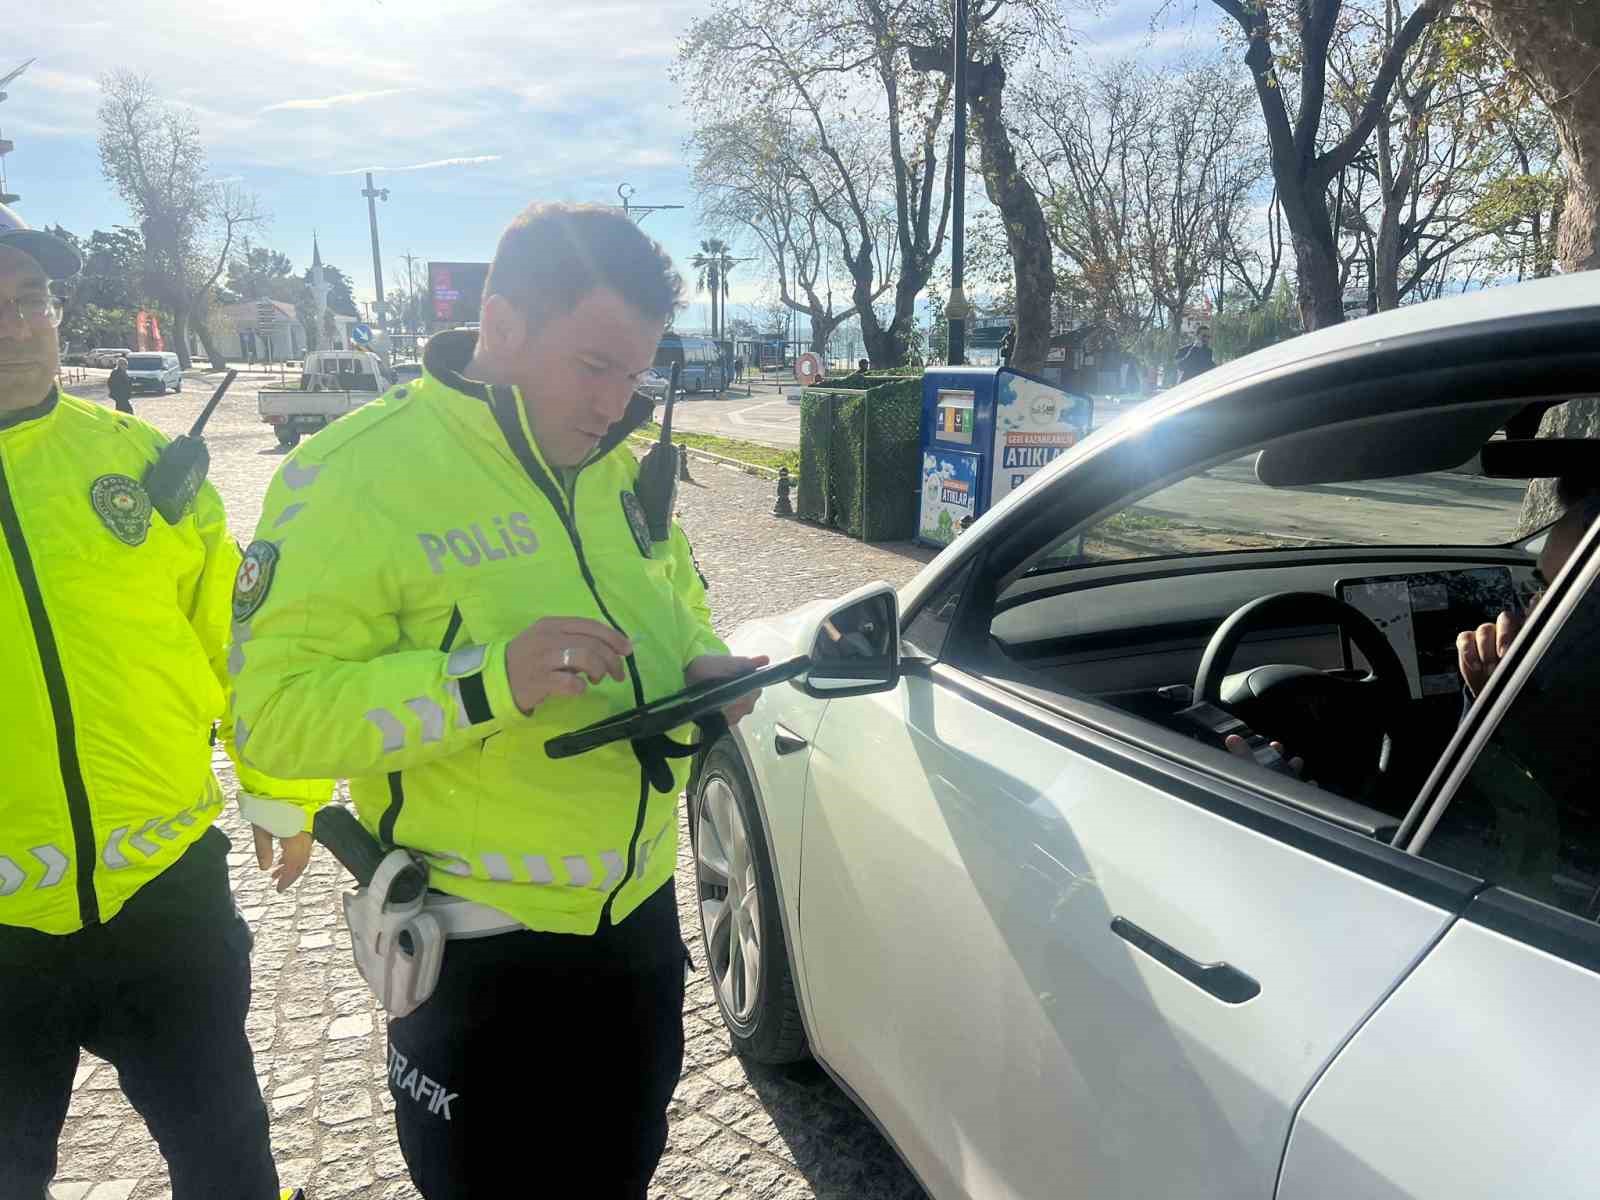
point(113, 670)
point(400, 551)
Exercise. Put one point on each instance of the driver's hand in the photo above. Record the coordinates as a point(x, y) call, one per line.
point(726, 666)
point(555, 656)
point(1240, 748)
point(1480, 650)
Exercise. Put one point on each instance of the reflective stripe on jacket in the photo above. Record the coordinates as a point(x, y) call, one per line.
point(113, 629)
point(411, 542)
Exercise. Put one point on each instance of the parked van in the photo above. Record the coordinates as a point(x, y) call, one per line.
point(155, 371)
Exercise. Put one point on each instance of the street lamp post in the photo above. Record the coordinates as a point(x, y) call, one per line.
point(958, 310)
point(373, 195)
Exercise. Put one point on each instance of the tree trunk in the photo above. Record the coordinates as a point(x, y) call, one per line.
point(1386, 261)
point(202, 330)
point(180, 335)
point(1317, 262)
point(1027, 235)
point(1557, 45)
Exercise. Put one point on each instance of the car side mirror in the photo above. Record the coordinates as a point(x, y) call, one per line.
point(855, 648)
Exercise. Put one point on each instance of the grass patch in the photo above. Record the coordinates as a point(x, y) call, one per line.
point(747, 452)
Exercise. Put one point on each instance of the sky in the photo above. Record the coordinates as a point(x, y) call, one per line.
point(466, 110)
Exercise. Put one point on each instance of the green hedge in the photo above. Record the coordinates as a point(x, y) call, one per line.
point(861, 459)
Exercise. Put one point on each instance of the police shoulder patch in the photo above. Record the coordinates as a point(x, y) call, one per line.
point(123, 505)
point(254, 578)
point(638, 523)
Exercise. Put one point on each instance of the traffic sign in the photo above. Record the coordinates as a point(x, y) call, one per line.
point(361, 335)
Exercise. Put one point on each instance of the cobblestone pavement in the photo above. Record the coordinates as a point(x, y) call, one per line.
point(737, 1132)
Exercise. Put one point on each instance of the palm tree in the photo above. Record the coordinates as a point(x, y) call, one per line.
point(711, 266)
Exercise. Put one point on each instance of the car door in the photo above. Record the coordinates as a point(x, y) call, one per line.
point(1476, 1078)
point(1057, 951)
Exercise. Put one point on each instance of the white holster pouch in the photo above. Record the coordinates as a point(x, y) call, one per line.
point(399, 947)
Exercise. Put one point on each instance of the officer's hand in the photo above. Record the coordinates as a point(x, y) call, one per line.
point(556, 656)
point(291, 864)
point(726, 666)
point(1480, 650)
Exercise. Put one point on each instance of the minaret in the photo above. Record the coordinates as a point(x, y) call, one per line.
point(319, 288)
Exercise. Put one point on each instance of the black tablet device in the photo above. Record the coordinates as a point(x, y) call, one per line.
point(669, 712)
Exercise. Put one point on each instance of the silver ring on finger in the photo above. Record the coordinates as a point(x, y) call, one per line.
point(566, 659)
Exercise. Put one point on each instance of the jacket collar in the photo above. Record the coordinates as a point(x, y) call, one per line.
point(22, 416)
point(449, 354)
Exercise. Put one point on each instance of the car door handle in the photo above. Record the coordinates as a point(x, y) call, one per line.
point(1222, 980)
point(786, 741)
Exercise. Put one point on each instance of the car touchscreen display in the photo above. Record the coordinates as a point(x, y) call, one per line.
point(1421, 615)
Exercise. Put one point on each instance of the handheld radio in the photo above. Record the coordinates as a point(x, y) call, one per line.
point(174, 479)
point(657, 485)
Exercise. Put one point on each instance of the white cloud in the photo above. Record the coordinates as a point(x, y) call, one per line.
point(321, 102)
point(470, 161)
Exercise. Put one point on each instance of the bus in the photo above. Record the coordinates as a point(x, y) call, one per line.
point(703, 369)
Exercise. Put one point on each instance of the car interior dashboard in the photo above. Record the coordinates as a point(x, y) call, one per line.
point(1132, 635)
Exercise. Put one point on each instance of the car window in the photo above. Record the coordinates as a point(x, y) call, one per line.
point(927, 630)
point(1528, 815)
point(1226, 509)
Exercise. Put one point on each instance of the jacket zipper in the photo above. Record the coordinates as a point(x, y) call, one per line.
point(55, 681)
point(503, 404)
point(571, 522)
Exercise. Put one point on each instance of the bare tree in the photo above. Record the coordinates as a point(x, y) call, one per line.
point(1080, 135)
point(151, 152)
point(749, 177)
point(842, 70)
point(1190, 166)
point(1288, 40)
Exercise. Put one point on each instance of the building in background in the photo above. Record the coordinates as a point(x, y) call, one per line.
point(268, 330)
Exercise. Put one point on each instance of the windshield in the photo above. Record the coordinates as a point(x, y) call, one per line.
point(1227, 509)
point(145, 362)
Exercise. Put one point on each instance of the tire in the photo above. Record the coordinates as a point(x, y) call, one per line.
point(290, 439)
point(177, 387)
point(764, 1022)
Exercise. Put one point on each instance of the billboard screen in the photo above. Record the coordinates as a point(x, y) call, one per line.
point(456, 289)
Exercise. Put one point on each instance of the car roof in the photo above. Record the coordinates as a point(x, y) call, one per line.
point(1410, 328)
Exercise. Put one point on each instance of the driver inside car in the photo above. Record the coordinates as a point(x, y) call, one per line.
point(1480, 650)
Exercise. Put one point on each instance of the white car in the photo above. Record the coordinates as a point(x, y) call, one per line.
point(155, 371)
point(988, 864)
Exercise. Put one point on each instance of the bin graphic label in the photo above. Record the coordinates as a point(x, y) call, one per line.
point(1034, 423)
point(949, 495)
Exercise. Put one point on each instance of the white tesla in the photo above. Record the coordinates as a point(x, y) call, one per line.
point(989, 863)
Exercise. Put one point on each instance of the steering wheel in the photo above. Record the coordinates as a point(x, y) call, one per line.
point(1346, 729)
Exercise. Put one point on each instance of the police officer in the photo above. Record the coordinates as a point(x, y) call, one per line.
point(118, 933)
point(442, 581)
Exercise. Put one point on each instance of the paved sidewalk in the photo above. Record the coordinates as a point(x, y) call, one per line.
point(318, 1035)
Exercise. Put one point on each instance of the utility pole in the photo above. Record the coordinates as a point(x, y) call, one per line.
point(373, 195)
point(958, 310)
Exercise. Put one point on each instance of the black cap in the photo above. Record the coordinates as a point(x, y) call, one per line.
point(59, 260)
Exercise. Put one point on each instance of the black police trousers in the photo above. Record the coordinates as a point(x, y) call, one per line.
point(160, 991)
point(543, 1063)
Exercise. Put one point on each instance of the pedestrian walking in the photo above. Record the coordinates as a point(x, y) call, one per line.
point(120, 388)
point(1195, 358)
point(118, 932)
point(1008, 344)
point(424, 633)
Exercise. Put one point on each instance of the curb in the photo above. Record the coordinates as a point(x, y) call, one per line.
point(738, 464)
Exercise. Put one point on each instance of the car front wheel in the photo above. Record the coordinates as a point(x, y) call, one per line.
point(741, 924)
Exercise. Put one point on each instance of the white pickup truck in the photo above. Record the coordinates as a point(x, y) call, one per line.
point(332, 383)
